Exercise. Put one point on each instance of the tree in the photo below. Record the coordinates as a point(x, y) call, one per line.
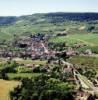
point(90, 28)
point(43, 88)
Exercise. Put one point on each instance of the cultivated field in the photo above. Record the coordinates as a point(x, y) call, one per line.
point(89, 39)
point(6, 87)
point(86, 61)
point(23, 75)
point(29, 61)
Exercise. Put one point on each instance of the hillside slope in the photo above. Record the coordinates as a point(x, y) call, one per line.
point(47, 23)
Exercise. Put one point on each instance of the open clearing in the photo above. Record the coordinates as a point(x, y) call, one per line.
point(6, 87)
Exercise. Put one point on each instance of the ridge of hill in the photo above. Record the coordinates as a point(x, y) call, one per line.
point(50, 17)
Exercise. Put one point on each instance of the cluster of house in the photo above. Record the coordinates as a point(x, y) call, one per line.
point(37, 47)
point(41, 50)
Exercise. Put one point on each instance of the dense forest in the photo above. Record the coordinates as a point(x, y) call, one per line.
point(72, 16)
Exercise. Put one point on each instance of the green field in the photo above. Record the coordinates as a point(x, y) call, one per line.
point(28, 27)
point(29, 61)
point(22, 75)
point(91, 62)
point(89, 39)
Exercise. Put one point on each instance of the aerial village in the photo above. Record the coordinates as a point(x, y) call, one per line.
point(38, 48)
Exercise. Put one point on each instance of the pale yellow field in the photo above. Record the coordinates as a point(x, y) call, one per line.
point(6, 87)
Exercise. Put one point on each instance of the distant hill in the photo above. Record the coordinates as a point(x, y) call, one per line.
point(60, 17)
point(7, 20)
point(50, 17)
point(47, 23)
